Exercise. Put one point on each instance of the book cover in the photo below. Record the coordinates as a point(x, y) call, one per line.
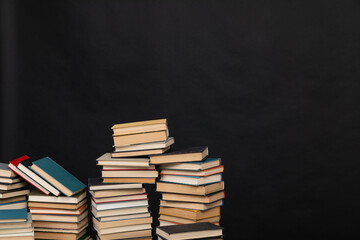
point(58, 176)
point(12, 214)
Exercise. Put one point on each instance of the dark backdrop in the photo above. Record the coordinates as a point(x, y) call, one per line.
point(272, 87)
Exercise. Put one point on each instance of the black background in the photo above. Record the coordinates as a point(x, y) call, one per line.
point(272, 87)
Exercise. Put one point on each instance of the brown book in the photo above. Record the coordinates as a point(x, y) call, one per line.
point(178, 220)
point(60, 236)
point(61, 225)
point(130, 174)
point(186, 155)
point(129, 180)
point(140, 152)
point(190, 214)
point(121, 223)
point(13, 199)
point(119, 211)
point(124, 140)
point(117, 192)
point(193, 198)
point(56, 205)
point(188, 189)
point(57, 218)
point(140, 127)
point(125, 235)
point(191, 205)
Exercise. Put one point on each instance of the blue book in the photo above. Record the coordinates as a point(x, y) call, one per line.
point(13, 215)
point(52, 172)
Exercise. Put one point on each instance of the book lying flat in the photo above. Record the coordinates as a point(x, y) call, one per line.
point(190, 180)
point(190, 214)
point(13, 215)
point(54, 235)
point(5, 172)
point(17, 225)
point(133, 197)
point(194, 198)
point(139, 127)
point(122, 223)
point(186, 155)
point(127, 235)
point(56, 205)
point(116, 192)
point(52, 211)
point(146, 146)
point(25, 165)
point(111, 219)
point(36, 196)
point(128, 228)
point(60, 218)
point(178, 220)
point(129, 180)
point(13, 166)
point(13, 199)
point(107, 160)
point(97, 184)
point(200, 173)
point(16, 230)
point(193, 166)
point(10, 180)
point(57, 176)
point(132, 173)
point(119, 211)
point(117, 205)
point(13, 193)
point(8, 187)
point(14, 205)
point(60, 225)
point(140, 152)
point(189, 231)
point(61, 230)
point(191, 205)
point(189, 189)
point(18, 236)
point(123, 140)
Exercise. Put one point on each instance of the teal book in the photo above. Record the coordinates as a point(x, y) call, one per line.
point(13, 215)
point(52, 172)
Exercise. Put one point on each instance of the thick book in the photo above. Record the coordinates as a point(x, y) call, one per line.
point(97, 184)
point(129, 180)
point(193, 166)
point(13, 165)
point(57, 176)
point(139, 127)
point(18, 236)
point(146, 146)
point(13, 193)
point(122, 223)
point(10, 180)
point(189, 189)
point(13, 205)
point(124, 140)
point(189, 231)
point(191, 205)
point(56, 205)
point(178, 220)
point(57, 235)
point(118, 212)
point(133, 197)
point(117, 205)
point(8, 187)
point(61, 225)
point(12, 199)
point(60, 218)
point(119, 168)
point(128, 228)
point(24, 166)
point(140, 152)
point(52, 211)
point(36, 196)
point(187, 155)
point(123, 217)
point(107, 160)
point(131, 235)
point(13, 215)
point(190, 180)
point(5, 172)
point(130, 174)
point(200, 173)
point(194, 198)
point(116, 192)
point(15, 225)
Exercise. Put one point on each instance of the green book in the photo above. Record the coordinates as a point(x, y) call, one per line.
point(13, 215)
point(52, 172)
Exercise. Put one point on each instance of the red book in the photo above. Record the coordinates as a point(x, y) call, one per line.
point(13, 166)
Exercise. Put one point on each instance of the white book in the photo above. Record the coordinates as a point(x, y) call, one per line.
point(196, 181)
point(36, 196)
point(38, 179)
point(146, 146)
point(116, 205)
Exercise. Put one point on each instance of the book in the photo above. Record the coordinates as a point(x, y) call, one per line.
point(129, 180)
point(116, 192)
point(60, 218)
point(146, 146)
point(191, 180)
point(119, 211)
point(129, 228)
point(121, 223)
point(193, 166)
point(139, 127)
point(60, 225)
point(52, 211)
point(13, 199)
point(13, 193)
point(56, 205)
point(107, 160)
point(97, 184)
point(190, 214)
point(18, 236)
point(187, 155)
point(117, 205)
point(189, 189)
point(200, 173)
point(129, 174)
point(10, 180)
point(123, 217)
point(57, 235)
point(13, 166)
point(10, 225)
point(123, 140)
point(5, 172)
point(189, 231)
point(178, 220)
point(140, 152)
point(134, 197)
point(36, 196)
point(57, 176)
point(127, 235)
point(119, 168)
point(13, 205)
point(191, 205)
point(24, 166)
point(62, 230)
point(194, 198)
point(13, 186)
point(13, 215)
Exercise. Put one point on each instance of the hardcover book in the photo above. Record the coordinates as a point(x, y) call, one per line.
point(186, 155)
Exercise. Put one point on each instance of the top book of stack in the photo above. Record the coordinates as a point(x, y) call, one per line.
point(141, 138)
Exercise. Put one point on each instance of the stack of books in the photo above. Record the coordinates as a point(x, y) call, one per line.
point(191, 186)
point(120, 211)
point(62, 216)
point(15, 222)
point(204, 230)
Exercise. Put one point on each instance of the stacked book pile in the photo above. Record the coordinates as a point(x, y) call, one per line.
point(204, 230)
point(120, 211)
point(62, 216)
point(15, 222)
point(191, 186)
